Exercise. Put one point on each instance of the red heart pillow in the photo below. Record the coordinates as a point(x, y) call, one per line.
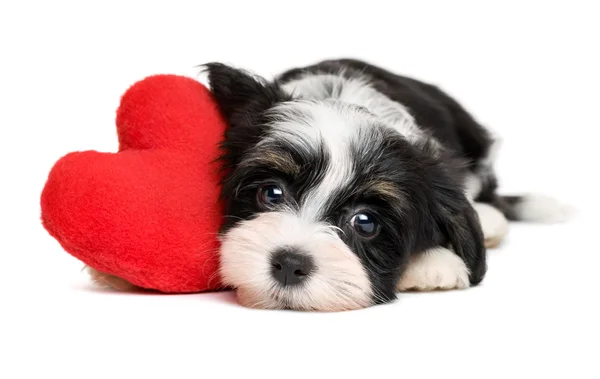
point(149, 213)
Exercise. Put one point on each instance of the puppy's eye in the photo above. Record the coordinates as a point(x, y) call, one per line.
point(270, 194)
point(365, 224)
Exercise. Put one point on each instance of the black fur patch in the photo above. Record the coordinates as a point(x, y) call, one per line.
point(433, 210)
point(432, 108)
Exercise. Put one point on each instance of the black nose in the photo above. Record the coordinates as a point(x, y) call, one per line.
point(289, 267)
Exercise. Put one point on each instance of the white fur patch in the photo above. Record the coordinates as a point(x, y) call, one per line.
point(438, 268)
point(330, 124)
point(541, 208)
point(338, 283)
point(473, 184)
point(359, 92)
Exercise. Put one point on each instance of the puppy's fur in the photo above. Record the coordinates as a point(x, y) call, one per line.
point(359, 182)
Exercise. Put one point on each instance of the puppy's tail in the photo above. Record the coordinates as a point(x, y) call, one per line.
point(532, 208)
point(527, 207)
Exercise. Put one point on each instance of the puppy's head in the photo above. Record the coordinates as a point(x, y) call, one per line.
point(325, 203)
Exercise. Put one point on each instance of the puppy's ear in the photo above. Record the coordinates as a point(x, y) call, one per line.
point(240, 92)
point(243, 99)
point(457, 219)
point(460, 223)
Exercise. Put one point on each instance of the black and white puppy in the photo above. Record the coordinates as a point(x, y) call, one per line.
point(346, 183)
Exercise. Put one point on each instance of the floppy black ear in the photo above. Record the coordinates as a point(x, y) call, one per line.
point(460, 223)
point(457, 219)
point(238, 91)
point(243, 99)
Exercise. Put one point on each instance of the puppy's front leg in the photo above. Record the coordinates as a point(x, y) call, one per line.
point(435, 269)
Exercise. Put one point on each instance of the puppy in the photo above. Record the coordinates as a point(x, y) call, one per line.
point(345, 183)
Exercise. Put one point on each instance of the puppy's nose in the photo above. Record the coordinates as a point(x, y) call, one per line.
point(289, 267)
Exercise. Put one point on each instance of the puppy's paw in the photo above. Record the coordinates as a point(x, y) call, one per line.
point(110, 281)
point(435, 269)
point(493, 224)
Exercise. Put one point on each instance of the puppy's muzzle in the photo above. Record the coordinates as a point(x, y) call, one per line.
point(290, 267)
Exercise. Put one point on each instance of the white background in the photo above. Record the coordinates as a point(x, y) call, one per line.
point(527, 70)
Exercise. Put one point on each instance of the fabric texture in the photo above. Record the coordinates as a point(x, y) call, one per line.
point(150, 212)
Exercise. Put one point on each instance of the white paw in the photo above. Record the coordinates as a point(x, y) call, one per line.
point(493, 224)
point(438, 268)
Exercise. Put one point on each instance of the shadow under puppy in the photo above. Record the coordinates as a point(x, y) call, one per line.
point(346, 183)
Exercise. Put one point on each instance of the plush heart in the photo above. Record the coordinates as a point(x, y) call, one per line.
point(150, 212)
